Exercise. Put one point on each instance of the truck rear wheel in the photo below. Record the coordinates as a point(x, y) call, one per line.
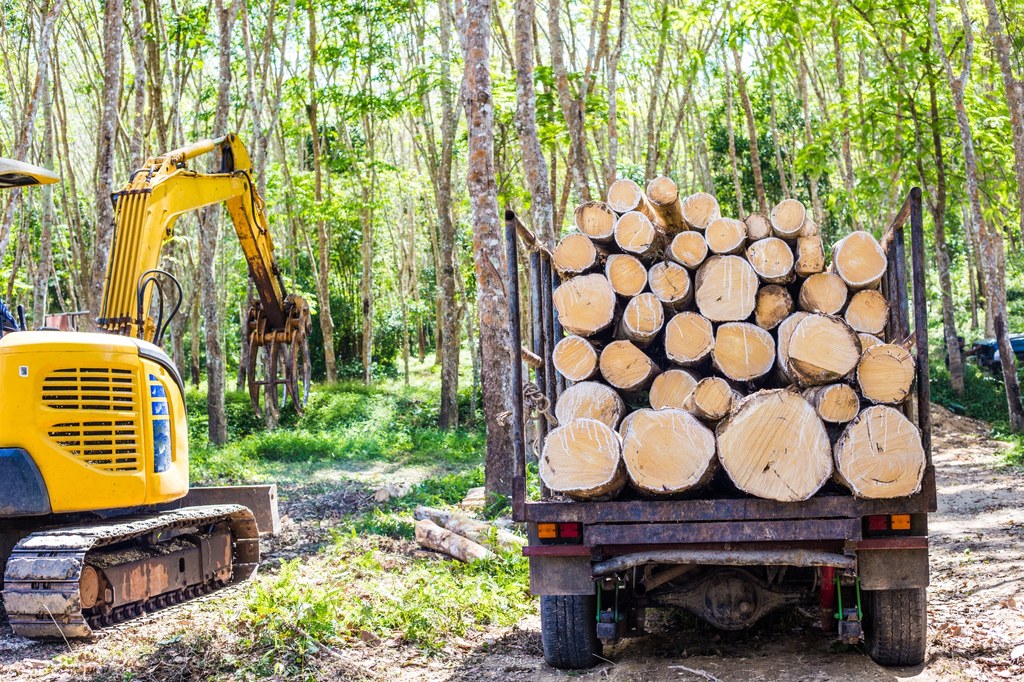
point(568, 631)
point(896, 626)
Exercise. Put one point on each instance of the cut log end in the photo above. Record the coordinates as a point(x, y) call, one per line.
point(834, 403)
point(575, 358)
point(590, 400)
point(699, 210)
point(772, 260)
point(868, 340)
point(886, 373)
point(867, 311)
point(823, 293)
point(774, 446)
point(787, 218)
point(668, 451)
point(626, 273)
point(689, 249)
point(574, 255)
point(583, 459)
point(626, 367)
point(711, 399)
point(670, 283)
point(783, 335)
point(758, 227)
point(671, 389)
point(624, 196)
point(880, 455)
point(810, 256)
point(636, 234)
point(689, 338)
point(743, 352)
point(726, 289)
point(642, 318)
point(663, 195)
point(773, 305)
point(726, 235)
point(859, 260)
point(596, 220)
point(822, 350)
point(585, 304)
point(432, 536)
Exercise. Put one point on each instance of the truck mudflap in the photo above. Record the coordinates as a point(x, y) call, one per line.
point(893, 563)
point(64, 582)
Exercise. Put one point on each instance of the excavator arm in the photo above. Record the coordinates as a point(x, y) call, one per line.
point(146, 210)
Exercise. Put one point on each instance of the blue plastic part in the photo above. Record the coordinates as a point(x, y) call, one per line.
point(22, 488)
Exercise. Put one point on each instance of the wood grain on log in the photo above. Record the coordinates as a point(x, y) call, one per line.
point(822, 350)
point(772, 260)
point(867, 311)
point(664, 199)
point(726, 236)
point(626, 367)
point(668, 451)
point(575, 358)
point(585, 304)
point(743, 352)
point(774, 445)
point(859, 260)
point(711, 399)
point(670, 283)
point(823, 293)
point(758, 227)
point(726, 289)
point(787, 218)
point(689, 249)
point(835, 403)
point(583, 459)
point(671, 388)
point(637, 235)
point(885, 373)
point(773, 305)
point(879, 455)
point(699, 210)
point(596, 220)
point(627, 275)
point(782, 336)
point(574, 255)
point(590, 400)
point(689, 338)
point(810, 256)
point(642, 319)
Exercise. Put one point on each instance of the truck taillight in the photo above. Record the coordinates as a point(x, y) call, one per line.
point(568, 530)
point(878, 523)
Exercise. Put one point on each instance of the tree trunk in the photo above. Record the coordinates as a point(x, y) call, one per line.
point(1014, 91)
point(641, 320)
point(137, 147)
point(689, 249)
point(755, 157)
point(733, 161)
point(726, 235)
point(209, 235)
point(46, 219)
point(859, 260)
point(990, 240)
point(772, 260)
point(670, 283)
point(885, 373)
point(711, 399)
point(433, 536)
point(847, 157)
point(113, 22)
point(626, 274)
point(323, 291)
point(488, 247)
point(572, 109)
point(774, 304)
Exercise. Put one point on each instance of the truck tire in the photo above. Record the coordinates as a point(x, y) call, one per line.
point(896, 626)
point(568, 631)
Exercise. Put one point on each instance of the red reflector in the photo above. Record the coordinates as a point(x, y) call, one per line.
point(878, 523)
point(568, 530)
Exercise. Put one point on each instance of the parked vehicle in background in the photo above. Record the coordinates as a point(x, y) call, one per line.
point(986, 353)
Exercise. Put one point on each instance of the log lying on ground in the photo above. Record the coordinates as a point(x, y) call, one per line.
point(834, 403)
point(642, 319)
point(867, 311)
point(477, 531)
point(663, 195)
point(726, 236)
point(773, 305)
point(783, 335)
point(743, 352)
point(810, 256)
point(596, 220)
point(626, 274)
point(699, 210)
point(787, 218)
point(574, 255)
point(626, 367)
point(879, 455)
point(671, 388)
point(637, 235)
point(575, 358)
point(689, 249)
point(582, 459)
point(822, 350)
point(885, 373)
point(585, 304)
point(859, 260)
point(711, 399)
point(772, 260)
point(433, 536)
point(670, 283)
point(668, 451)
point(823, 293)
point(590, 400)
point(868, 340)
point(773, 445)
point(689, 338)
point(726, 289)
point(758, 227)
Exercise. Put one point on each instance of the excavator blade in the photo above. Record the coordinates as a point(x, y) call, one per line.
point(66, 582)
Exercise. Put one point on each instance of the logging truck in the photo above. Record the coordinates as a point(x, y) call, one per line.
point(728, 425)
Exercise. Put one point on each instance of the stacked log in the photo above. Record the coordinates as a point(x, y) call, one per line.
point(699, 343)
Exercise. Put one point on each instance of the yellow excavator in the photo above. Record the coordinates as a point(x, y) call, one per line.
point(93, 435)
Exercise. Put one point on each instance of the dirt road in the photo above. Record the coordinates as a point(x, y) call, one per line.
point(976, 612)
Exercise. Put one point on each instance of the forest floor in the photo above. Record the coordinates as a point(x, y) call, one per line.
point(345, 594)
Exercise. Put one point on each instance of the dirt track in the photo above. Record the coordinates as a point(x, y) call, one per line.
point(976, 613)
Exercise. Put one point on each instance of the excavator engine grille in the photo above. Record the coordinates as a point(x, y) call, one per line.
point(109, 442)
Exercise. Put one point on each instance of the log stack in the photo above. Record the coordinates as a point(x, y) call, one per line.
point(698, 344)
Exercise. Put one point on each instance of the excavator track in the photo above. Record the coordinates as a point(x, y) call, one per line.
point(66, 582)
